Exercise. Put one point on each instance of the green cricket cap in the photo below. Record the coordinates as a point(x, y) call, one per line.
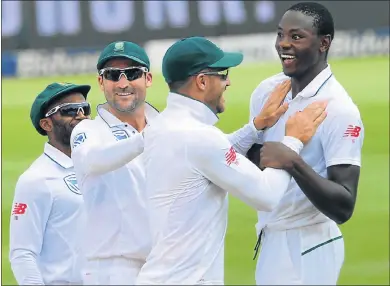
point(48, 95)
point(191, 55)
point(126, 50)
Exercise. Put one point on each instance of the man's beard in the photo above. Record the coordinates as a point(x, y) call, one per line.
point(128, 109)
point(62, 132)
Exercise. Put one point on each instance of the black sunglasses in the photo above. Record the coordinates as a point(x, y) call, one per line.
point(131, 73)
point(70, 109)
point(223, 74)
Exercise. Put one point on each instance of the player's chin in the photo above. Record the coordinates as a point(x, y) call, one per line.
point(220, 108)
point(289, 72)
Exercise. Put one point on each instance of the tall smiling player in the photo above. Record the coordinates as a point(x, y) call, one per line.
point(301, 242)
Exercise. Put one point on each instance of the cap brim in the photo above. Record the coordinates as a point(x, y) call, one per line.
point(228, 61)
point(106, 59)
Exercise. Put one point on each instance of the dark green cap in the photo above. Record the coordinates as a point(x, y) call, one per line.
point(126, 50)
point(46, 97)
point(191, 55)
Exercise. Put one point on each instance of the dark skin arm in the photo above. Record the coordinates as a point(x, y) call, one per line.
point(336, 196)
point(253, 154)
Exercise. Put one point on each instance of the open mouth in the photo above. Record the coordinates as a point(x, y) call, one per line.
point(125, 93)
point(287, 59)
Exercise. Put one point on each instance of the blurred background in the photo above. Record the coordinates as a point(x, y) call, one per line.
point(47, 41)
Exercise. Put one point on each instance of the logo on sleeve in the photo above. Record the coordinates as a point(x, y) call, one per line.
point(120, 134)
point(71, 183)
point(19, 209)
point(352, 131)
point(231, 156)
point(79, 139)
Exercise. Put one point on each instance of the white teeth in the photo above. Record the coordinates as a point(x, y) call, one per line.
point(287, 57)
point(124, 94)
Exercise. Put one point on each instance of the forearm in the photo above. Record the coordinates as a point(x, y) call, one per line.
point(268, 189)
point(260, 189)
point(102, 159)
point(25, 268)
point(243, 139)
point(332, 199)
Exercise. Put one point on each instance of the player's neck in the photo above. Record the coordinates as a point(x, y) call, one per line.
point(299, 83)
point(64, 149)
point(136, 118)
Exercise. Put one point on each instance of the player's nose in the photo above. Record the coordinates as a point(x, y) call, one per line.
point(228, 83)
point(80, 115)
point(123, 82)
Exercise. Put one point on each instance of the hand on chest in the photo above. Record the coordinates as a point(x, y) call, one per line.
point(312, 152)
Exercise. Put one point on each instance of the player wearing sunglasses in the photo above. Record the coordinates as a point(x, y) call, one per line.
point(109, 168)
point(46, 216)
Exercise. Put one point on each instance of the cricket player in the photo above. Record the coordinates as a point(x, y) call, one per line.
point(191, 165)
point(301, 242)
point(110, 172)
point(47, 209)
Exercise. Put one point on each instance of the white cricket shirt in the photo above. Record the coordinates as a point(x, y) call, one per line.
point(45, 222)
point(338, 140)
point(109, 168)
point(190, 167)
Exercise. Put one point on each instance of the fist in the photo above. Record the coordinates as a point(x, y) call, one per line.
point(277, 155)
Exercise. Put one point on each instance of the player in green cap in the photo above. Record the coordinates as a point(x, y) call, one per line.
point(191, 165)
point(110, 171)
point(47, 213)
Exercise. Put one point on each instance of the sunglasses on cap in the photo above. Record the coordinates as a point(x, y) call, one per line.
point(71, 109)
point(223, 74)
point(131, 73)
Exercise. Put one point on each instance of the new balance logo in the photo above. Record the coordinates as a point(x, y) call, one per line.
point(19, 209)
point(231, 156)
point(352, 131)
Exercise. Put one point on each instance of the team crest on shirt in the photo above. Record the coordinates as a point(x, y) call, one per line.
point(78, 139)
point(120, 134)
point(71, 183)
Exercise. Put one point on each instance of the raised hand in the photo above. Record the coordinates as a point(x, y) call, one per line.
point(273, 107)
point(303, 124)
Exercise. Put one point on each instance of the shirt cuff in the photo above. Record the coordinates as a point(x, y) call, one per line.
point(258, 133)
point(293, 143)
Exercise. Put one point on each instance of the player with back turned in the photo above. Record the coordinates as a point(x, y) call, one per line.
point(191, 165)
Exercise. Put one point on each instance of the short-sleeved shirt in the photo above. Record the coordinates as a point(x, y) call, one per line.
point(338, 140)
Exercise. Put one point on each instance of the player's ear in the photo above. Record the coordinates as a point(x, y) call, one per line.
point(148, 79)
point(325, 43)
point(46, 124)
point(100, 82)
point(201, 82)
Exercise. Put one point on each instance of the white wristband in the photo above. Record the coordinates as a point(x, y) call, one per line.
point(258, 133)
point(293, 143)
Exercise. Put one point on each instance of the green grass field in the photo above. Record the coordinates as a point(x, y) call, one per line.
point(366, 234)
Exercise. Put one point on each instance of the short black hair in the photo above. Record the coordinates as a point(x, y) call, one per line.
point(322, 18)
point(176, 85)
